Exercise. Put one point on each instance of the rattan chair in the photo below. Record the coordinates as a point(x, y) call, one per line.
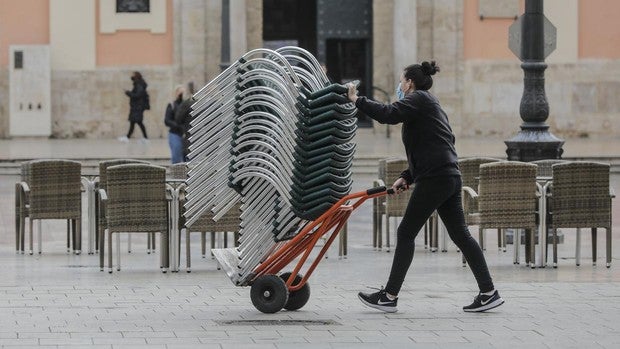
point(470, 172)
point(229, 223)
point(507, 198)
point(544, 166)
point(102, 184)
point(135, 201)
point(49, 189)
point(580, 197)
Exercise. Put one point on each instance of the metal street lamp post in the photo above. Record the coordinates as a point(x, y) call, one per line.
point(534, 141)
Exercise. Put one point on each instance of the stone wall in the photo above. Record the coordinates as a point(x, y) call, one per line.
point(583, 98)
point(92, 104)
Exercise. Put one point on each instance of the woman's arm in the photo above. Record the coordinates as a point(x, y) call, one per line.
point(394, 113)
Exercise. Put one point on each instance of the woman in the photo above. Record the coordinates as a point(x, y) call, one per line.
point(138, 103)
point(175, 133)
point(433, 167)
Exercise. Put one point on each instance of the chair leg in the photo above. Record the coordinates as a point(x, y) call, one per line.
point(203, 244)
point(148, 243)
point(516, 241)
point(503, 239)
point(165, 251)
point(578, 248)
point(188, 258)
point(555, 248)
point(499, 240)
point(78, 234)
point(101, 242)
point(22, 233)
point(594, 246)
point(380, 231)
point(109, 251)
point(18, 216)
point(30, 234)
point(527, 246)
point(530, 233)
point(40, 235)
point(375, 212)
point(129, 243)
point(118, 250)
point(68, 236)
point(387, 233)
point(608, 245)
point(426, 233)
point(212, 243)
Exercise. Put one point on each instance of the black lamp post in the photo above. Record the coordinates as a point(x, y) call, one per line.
point(534, 141)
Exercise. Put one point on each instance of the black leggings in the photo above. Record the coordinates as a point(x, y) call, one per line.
point(131, 125)
point(444, 195)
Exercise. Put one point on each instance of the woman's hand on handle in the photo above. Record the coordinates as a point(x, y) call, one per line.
point(400, 185)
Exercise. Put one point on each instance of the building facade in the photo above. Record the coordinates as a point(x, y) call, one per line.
point(85, 50)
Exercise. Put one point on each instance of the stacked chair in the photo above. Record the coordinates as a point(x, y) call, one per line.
point(272, 133)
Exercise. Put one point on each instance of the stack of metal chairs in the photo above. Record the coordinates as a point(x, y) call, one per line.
point(272, 132)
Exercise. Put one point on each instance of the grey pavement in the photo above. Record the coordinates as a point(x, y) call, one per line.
point(57, 300)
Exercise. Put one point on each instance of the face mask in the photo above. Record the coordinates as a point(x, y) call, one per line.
point(399, 92)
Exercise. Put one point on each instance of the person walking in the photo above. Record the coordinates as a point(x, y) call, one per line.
point(175, 132)
point(433, 168)
point(138, 103)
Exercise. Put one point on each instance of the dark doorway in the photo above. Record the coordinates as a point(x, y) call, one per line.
point(290, 22)
point(348, 60)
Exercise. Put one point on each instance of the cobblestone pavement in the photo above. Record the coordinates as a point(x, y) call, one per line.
point(58, 300)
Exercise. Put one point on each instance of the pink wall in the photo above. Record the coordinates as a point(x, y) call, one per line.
point(23, 22)
point(484, 39)
point(599, 29)
point(136, 47)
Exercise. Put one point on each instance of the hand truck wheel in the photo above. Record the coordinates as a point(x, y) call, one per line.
point(296, 299)
point(269, 293)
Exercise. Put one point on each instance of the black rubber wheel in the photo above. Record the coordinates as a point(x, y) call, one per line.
point(296, 299)
point(269, 294)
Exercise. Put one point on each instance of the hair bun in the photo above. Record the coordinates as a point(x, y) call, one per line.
point(429, 68)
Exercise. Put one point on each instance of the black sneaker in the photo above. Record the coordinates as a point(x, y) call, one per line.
point(379, 300)
point(483, 303)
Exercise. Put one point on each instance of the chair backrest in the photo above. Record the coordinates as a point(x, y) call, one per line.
point(55, 188)
point(544, 166)
point(136, 198)
point(229, 222)
point(104, 165)
point(507, 195)
point(395, 205)
point(470, 170)
point(580, 195)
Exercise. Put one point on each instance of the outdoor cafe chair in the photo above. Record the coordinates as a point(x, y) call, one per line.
point(135, 201)
point(102, 184)
point(49, 189)
point(470, 173)
point(579, 196)
point(229, 222)
point(507, 198)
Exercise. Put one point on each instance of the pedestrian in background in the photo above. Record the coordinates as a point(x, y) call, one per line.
point(175, 132)
point(433, 167)
point(138, 103)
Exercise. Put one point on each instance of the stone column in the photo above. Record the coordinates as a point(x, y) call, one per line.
point(190, 44)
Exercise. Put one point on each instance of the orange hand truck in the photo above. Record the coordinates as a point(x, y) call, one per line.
point(271, 292)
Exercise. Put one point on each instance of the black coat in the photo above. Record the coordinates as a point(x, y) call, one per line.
point(137, 101)
point(426, 133)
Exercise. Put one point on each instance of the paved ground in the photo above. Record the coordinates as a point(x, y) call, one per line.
point(60, 300)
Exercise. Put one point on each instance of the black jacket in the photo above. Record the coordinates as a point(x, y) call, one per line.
point(426, 133)
point(169, 118)
point(137, 101)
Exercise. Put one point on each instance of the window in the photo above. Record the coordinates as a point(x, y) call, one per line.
point(139, 6)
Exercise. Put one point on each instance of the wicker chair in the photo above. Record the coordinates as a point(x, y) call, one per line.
point(544, 166)
point(134, 201)
point(228, 223)
point(470, 172)
point(580, 197)
point(49, 189)
point(389, 205)
point(507, 198)
point(102, 184)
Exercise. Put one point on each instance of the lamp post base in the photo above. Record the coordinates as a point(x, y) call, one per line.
point(534, 144)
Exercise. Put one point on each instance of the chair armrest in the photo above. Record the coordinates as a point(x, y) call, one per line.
point(612, 193)
point(469, 199)
point(102, 195)
point(24, 187)
point(378, 183)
